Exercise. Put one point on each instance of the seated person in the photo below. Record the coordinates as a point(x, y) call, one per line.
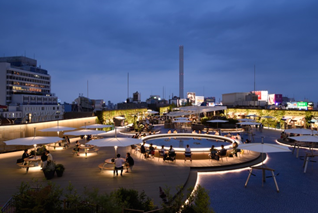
point(235, 149)
point(143, 149)
point(187, 153)
point(216, 133)
point(213, 153)
point(171, 154)
point(194, 132)
point(25, 154)
point(238, 137)
point(151, 151)
point(162, 151)
point(247, 141)
point(221, 152)
point(44, 160)
point(119, 165)
point(169, 132)
point(175, 131)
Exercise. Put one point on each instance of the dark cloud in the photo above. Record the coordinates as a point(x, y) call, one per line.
point(102, 41)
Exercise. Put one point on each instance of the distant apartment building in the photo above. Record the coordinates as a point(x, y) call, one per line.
point(136, 97)
point(25, 89)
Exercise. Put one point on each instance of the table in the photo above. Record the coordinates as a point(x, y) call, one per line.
point(264, 168)
point(109, 160)
point(35, 160)
point(307, 159)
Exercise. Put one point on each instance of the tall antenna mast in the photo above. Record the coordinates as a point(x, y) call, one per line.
point(254, 85)
point(127, 85)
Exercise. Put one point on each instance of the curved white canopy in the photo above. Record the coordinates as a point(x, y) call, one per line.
point(57, 129)
point(29, 141)
point(120, 142)
point(94, 126)
point(218, 121)
point(264, 147)
point(84, 132)
point(306, 138)
point(301, 131)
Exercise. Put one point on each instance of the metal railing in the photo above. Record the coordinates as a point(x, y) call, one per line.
point(8, 207)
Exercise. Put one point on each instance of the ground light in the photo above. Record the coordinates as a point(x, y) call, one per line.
point(221, 173)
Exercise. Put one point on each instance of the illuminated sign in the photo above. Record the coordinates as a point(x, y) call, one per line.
point(191, 97)
point(302, 105)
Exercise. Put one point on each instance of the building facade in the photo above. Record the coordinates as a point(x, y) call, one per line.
point(26, 89)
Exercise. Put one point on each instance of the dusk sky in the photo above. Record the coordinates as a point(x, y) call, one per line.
point(101, 41)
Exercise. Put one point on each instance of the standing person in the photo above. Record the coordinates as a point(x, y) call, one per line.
point(129, 162)
point(261, 127)
point(77, 148)
point(119, 165)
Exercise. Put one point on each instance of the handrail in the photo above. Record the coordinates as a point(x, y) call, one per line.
point(8, 207)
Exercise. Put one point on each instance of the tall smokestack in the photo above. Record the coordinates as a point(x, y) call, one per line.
point(181, 74)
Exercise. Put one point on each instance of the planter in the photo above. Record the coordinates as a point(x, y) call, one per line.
point(49, 174)
point(59, 173)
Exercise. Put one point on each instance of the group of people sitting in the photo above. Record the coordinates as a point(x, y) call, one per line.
point(119, 162)
point(169, 155)
point(46, 157)
point(217, 154)
point(139, 135)
point(174, 131)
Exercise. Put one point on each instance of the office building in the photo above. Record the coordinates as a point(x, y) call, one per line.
point(25, 89)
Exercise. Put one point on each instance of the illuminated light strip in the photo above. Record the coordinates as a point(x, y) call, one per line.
point(187, 135)
point(223, 172)
point(292, 146)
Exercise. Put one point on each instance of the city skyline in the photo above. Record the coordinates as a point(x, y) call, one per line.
point(100, 43)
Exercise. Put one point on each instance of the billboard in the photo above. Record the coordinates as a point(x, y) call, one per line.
point(278, 98)
point(274, 99)
point(302, 105)
point(191, 97)
point(271, 99)
point(209, 99)
point(292, 105)
point(297, 105)
point(199, 100)
point(262, 95)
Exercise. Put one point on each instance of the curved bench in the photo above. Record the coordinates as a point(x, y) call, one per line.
point(105, 166)
point(21, 165)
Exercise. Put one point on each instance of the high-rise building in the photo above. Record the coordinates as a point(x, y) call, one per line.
point(26, 89)
point(181, 74)
point(136, 97)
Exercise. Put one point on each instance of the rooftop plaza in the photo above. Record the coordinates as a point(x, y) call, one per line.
point(224, 179)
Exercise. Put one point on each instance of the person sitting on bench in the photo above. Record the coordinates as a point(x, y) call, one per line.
point(119, 165)
point(171, 154)
point(222, 152)
point(213, 153)
point(187, 153)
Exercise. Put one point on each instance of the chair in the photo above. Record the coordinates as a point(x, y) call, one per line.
point(187, 155)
